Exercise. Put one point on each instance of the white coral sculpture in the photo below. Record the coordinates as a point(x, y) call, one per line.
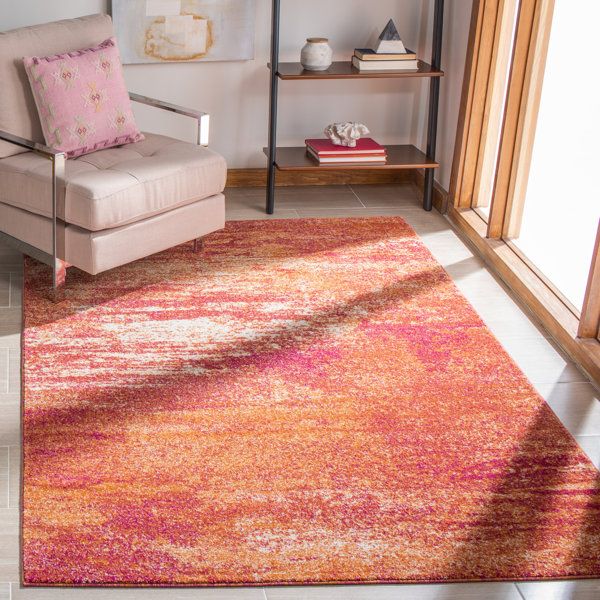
point(346, 134)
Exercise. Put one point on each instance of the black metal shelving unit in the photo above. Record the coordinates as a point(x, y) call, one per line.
point(399, 157)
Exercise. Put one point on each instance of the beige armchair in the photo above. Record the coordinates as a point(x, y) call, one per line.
point(104, 209)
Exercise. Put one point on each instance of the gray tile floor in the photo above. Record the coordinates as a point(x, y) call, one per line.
point(567, 390)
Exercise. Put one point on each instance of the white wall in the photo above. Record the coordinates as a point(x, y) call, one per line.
point(236, 93)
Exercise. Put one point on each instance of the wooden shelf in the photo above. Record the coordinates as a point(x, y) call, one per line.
point(399, 157)
point(345, 70)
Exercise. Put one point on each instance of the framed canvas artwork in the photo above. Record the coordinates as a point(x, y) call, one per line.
point(155, 31)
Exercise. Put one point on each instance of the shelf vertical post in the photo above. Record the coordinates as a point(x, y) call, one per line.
point(434, 102)
point(273, 97)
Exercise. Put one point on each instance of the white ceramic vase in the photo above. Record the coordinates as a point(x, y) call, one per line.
point(317, 55)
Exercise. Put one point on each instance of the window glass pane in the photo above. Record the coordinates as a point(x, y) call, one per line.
point(485, 184)
point(562, 203)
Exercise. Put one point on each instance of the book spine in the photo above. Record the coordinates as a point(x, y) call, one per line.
point(383, 57)
point(348, 159)
point(345, 154)
point(353, 162)
point(381, 65)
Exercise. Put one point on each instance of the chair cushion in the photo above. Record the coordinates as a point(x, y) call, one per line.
point(18, 113)
point(82, 99)
point(113, 187)
point(97, 251)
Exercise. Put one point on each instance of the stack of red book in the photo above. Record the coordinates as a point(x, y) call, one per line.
point(366, 151)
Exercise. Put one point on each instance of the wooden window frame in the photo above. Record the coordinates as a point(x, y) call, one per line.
point(579, 337)
point(532, 38)
point(494, 104)
point(589, 324)
point(478, 69)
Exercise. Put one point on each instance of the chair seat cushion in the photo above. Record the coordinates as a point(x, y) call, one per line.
point(113, 187)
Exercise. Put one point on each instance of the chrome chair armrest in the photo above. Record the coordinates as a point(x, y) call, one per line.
point(58, 162)
point(202, 118)
point(29, 145)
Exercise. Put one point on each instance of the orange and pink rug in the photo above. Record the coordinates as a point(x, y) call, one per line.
point(303, 402)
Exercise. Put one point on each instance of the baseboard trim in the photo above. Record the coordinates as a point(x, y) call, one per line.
point(258, 177)
point(440, 195)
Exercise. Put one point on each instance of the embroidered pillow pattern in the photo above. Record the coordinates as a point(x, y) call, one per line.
point(82, 100)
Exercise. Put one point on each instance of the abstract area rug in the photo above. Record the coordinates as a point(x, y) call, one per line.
point(306, 401)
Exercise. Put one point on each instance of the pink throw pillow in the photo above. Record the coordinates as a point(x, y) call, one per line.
point(82, 100)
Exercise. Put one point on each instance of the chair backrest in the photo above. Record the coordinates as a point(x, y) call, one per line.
point(18, 113)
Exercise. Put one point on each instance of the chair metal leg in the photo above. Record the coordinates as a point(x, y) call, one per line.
point(59, 267)
point(59, 279)
point(58, 162)
point(198, 245)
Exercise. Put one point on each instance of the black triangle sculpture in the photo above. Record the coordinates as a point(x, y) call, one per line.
point(390, 33)
point(389, 40)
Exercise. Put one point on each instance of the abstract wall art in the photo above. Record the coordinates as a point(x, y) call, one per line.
point(154, 31)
